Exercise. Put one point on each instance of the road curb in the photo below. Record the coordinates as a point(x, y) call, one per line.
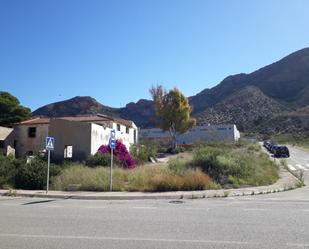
point(286, 182)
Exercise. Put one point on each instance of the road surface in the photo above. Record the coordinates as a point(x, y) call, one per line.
point(279, 220)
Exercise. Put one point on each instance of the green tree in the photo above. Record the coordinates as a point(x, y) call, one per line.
point(11, 111)
point(173, 112)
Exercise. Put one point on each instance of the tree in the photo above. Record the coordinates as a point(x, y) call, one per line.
point(11, 111)
point(173, 112)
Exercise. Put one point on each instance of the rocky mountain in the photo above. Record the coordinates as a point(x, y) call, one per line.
point(246, 107)
point(142, 112)
point(286, 81)
point(76, 106)
point(274, 92)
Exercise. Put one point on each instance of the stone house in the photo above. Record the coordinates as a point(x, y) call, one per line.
point(83, 135)
point(6, 141)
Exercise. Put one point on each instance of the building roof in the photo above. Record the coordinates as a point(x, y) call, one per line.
point(99, 118)
point(5, 132)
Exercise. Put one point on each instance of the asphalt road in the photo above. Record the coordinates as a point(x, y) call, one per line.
point(299, 160)
point(278, 220)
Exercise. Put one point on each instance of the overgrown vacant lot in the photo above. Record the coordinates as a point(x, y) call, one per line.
point(301, 140)
point(208, 167)
point(236, 164)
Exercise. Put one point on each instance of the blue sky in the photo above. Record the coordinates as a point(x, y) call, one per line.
point(115, 50)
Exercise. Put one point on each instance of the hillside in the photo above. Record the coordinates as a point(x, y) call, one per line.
point(142, 112)
point(286, 81)
point(249, 100)
point(247, 107)
point(75, 106)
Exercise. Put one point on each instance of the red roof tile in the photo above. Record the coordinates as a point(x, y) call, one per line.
point(89, 118)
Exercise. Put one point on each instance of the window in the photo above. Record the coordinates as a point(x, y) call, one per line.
point(118, 127)
point(135, 140)
point(32, 132)
point(127, 130)
point(68, 151)
point(1, 144)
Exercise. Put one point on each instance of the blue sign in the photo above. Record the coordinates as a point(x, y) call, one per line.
point(50, 143)
point(112, 143)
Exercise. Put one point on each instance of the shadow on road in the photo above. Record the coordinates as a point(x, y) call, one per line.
point(37, 202)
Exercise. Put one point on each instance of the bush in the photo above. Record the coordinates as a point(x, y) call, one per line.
point(174, 151)
point(121, 153)
point(99, 159)
point(178, 166)
point(236, 164)
point(33, 175)
point(142, 153)
point(7, 171)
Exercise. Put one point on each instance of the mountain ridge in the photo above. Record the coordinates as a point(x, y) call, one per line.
point(282, 85)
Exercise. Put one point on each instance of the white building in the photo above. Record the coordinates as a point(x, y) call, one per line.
point(196, 134)
point(83, 134)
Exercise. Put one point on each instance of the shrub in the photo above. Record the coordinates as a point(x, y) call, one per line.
point(178, 166)
point(7, 171)
point(33, 175)
point(121, 153)
point(236, 164)
point(174, 151)
point(99, 159)
point(143, 152)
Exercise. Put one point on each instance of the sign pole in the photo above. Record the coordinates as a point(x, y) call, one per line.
point(111, 172)
point(49, 145)
point(48, 164)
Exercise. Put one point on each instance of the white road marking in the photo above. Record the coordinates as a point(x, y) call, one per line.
point(301, 167)
point(291, 167)
point(42, 236)
point(9, 205)
point(256, 209)
point(144, 207)
point(203, 209)
point(297, 245)
point(95, 207)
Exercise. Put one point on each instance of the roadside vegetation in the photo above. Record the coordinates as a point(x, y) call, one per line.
point(206, 166)
point(17, 173)
point(235, 165)
point(160, 178)
point(301, 140)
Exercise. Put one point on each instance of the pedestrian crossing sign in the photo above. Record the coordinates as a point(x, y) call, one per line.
point(50, 143)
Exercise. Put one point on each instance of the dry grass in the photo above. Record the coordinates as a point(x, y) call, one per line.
point(143, 178)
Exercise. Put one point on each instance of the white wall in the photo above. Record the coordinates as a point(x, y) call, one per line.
point(198, 134)
point(101, 135)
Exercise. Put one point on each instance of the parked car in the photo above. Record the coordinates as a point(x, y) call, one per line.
point(268, 144)
point(281, 151)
